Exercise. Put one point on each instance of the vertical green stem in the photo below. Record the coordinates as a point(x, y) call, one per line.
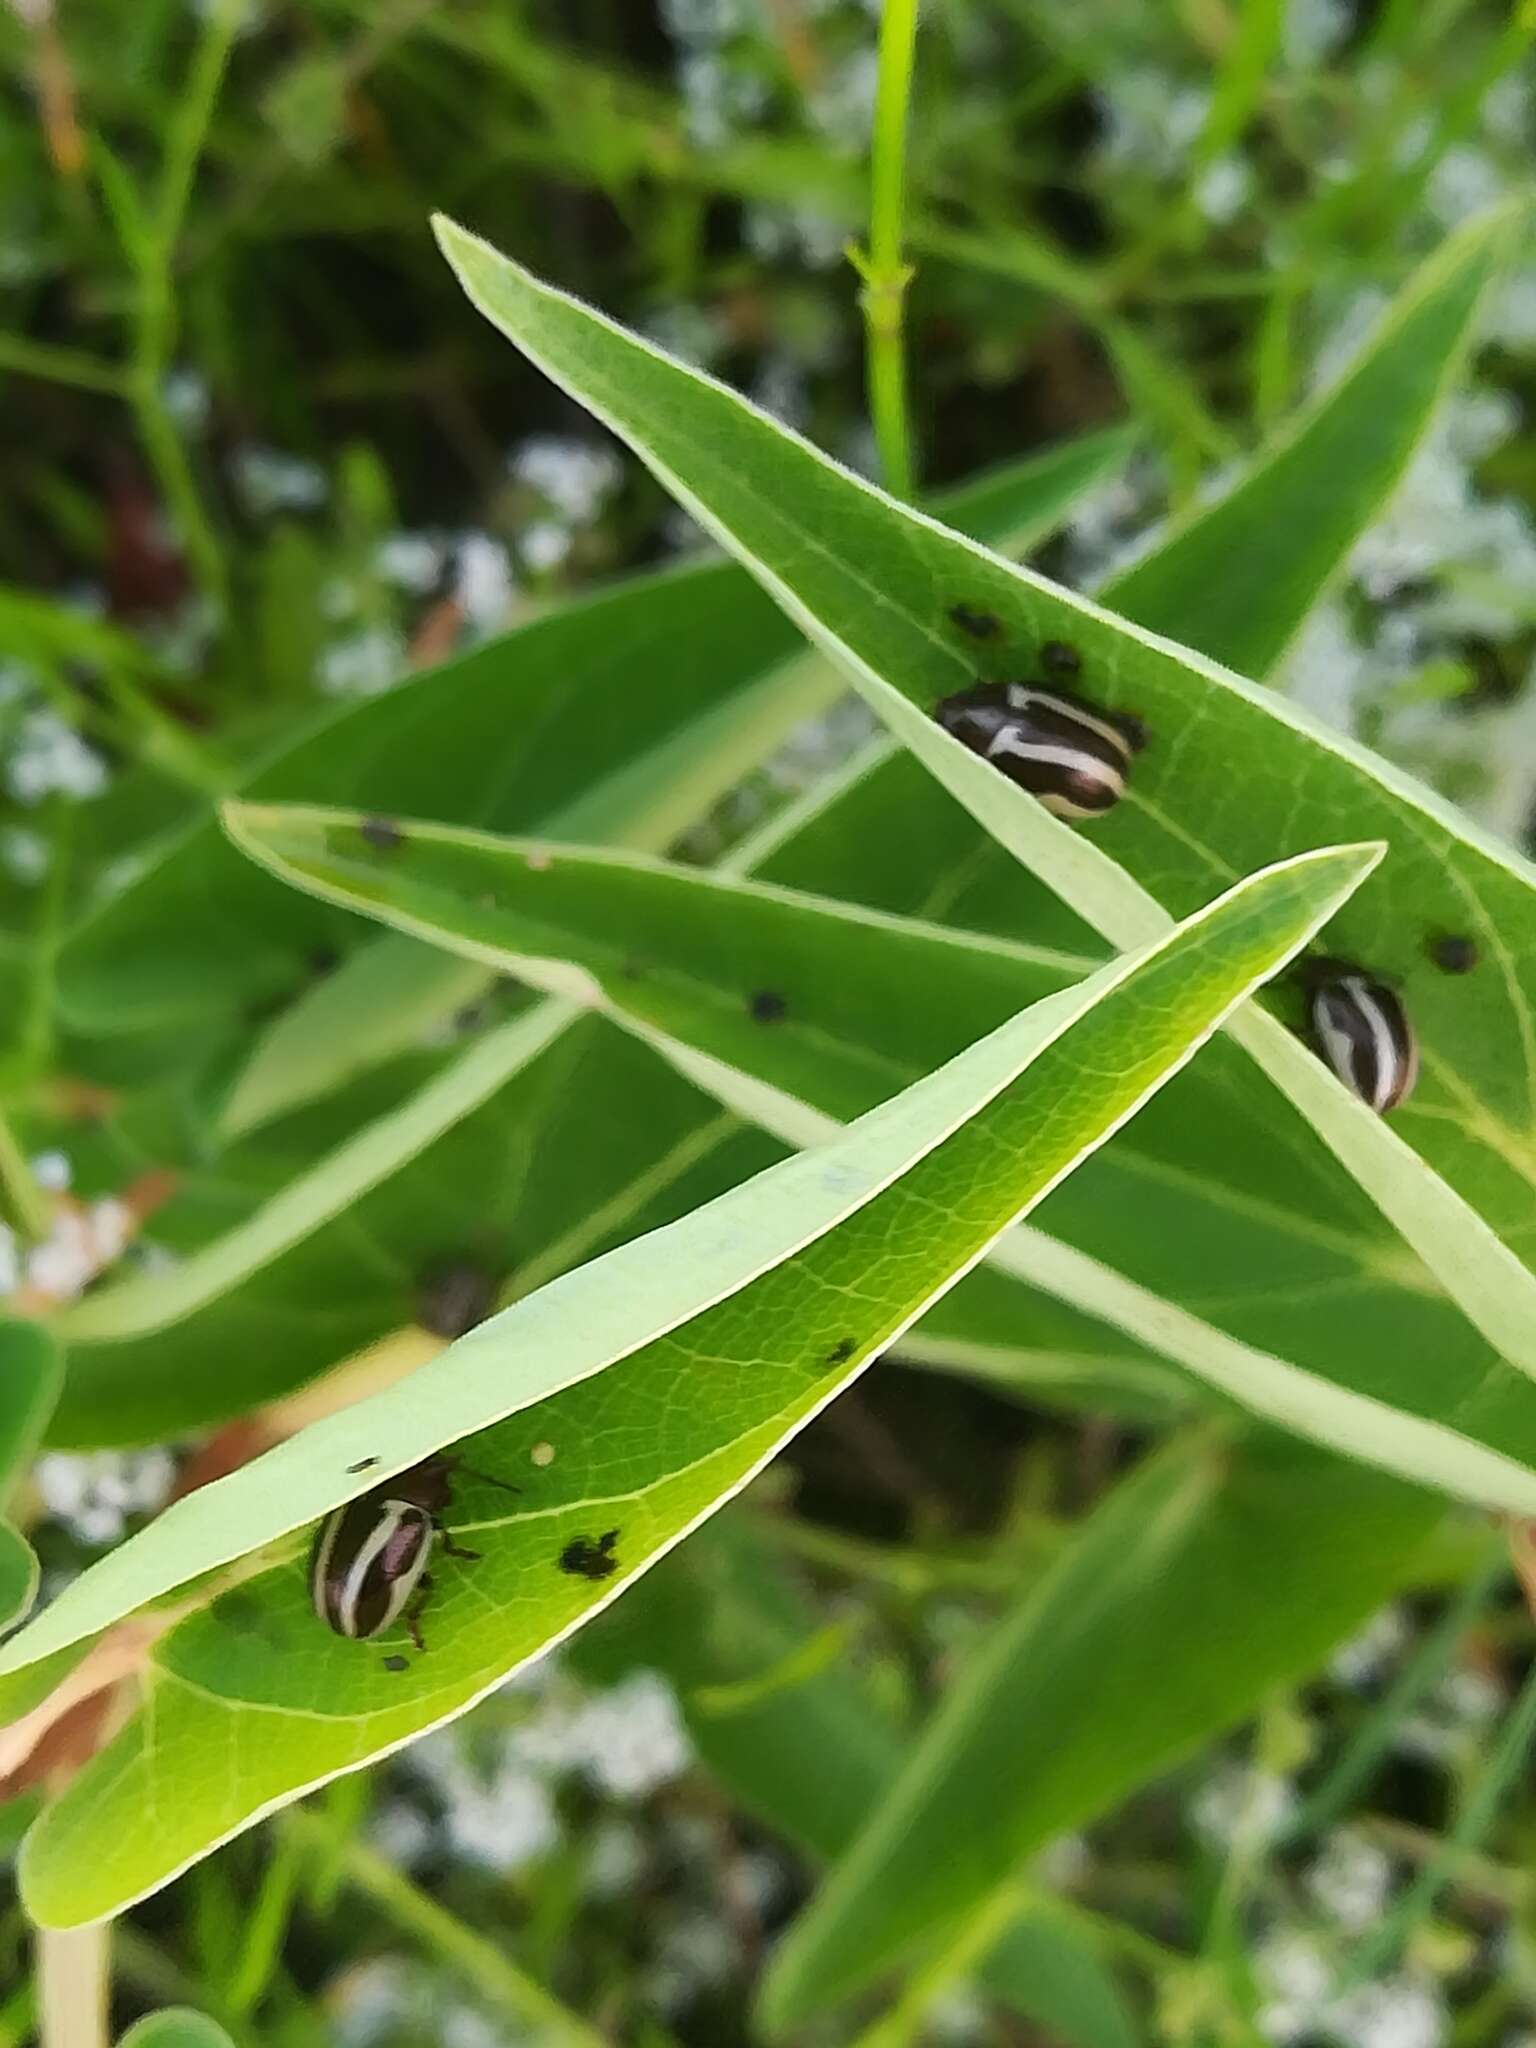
point(483, 1963)
point(1481, 1807)
point(885, 273)
point(155, 322)
point(976, 1937)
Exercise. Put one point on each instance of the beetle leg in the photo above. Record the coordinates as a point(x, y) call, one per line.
point(452, 1549)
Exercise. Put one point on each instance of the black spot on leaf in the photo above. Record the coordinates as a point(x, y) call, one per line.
point(382, 834)
point(980, 625)
point(586, 1559)
point(768, 1007)
point(842, 1350)
point(363, 1465)
point(1453, 953)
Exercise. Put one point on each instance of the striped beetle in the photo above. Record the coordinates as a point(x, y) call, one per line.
point(371, 1554)
point(1071, 755)
point(1362, 1030)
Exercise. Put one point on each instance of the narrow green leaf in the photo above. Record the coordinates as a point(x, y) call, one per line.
point(144, 1302)
point(1232, 777)
point(507, 1193)
point(738, 1325)
point(1031, 1740)
point(1237, 578)
point(487, 739)
point(809, 1745)
point(858, 1003)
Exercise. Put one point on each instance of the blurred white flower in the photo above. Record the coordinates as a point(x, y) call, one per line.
point(400, 1834)
point(576, 477)
point(185, 392)
point(1150, 121)
point(364, 664)
point(1399, 2012)
point(10, 1260)
point(483, 583)
point(1350, 1880)
point(53, 1171)
point(1362, 1659)
point(615, 1859)
point(1512, 316)
point(627, 1741)
point(47, 757)
point(842, 105)
point(795, 234)
point(1455, 1714)
point(1295, 1974)
point(1313, 28)
point(1241, 1806)
point(24, 854)
point(81, 1243)
point(503, 1825)
point(544, 545)
point(1464, 182)
point(411, 561)
point(1222, 189)
point(696, 1952)
point(95, 1495)
point(269, 481)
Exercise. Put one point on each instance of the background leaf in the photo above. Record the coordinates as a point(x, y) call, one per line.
point(487, 739)
point(1032, 1741)
point(176, 2027)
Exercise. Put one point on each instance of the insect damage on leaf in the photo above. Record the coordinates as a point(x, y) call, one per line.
point(586, 1559)
point(382, 834)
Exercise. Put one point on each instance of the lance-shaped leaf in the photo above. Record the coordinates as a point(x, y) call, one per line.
point(1231, 776)
point(633, 1396)
point(622, 716)
point(793, 1730)
point(480, 1183)
point(775, 1000)
point(1074, 1698)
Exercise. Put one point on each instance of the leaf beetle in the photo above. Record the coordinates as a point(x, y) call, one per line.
point(368, 1568)
point(1072, 756)
point(1362, 1030)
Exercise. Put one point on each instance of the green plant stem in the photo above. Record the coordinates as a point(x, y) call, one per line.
point(1350, 1775)
point(977, 1935)
point(75, 367)
point(497, 1980)
point(882, 267)
point(266, 1929)
point(24, 1200)
point(1477, 1815)
point(155, 310)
